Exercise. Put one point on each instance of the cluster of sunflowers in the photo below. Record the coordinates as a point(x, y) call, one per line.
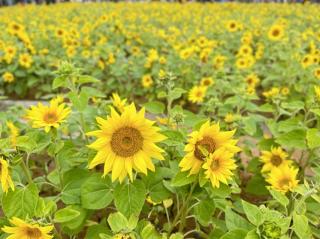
point(160, 121)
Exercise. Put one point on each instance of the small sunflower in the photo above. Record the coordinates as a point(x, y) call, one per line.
point(276, 32)
point(317, 73)
point(8, 77)
point(206, 81)
point(317, 91)
point(283, 179)
point(118, 102)
point(125, 142)
point(147, 81)
point(210, 138)
point(48, 116)
point(24, 230)
point(13, 133)
point(25, 60)
point(219, 166)
point(197, 94)
point(273, 159)
point(252, 80)
point(5, 178)
point(232, 26)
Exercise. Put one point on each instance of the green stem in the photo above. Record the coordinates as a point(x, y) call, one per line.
point(181, 212)
point(26, 169)
point(83, 126)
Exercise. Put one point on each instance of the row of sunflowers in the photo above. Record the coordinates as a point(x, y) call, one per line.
point(160, 121)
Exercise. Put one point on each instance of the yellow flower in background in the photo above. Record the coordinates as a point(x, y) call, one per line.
point(5, 177)
point(122, 236)
point(229, 118)
point(283, 179)
point(285, 91)
point(118, 103)
point(25, 60)
point(111, 58)
point(48, 116)
point(307, 61)
point(219, 166)
point(252, 80)
point(207, 81)
point(275, 158)
point(126, 142)
point(232, 26)
point(251, 90)
point(218, 61)
point(8, 77)
point(197, 94)
point(13, 133)
point(317, 73)
point(147, 81)
point(317, 91)
point(15, 28)
point(209, 138)
point(276, 32)
point(273, 92)
point(24, 230)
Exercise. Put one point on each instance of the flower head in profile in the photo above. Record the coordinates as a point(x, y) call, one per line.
point(283, 179)
point(5, 177)
point(197, 94)
point(118, 103)
point(24, 230)
point(13, 133)
point(218, 167)
point(317, 91)
point(48, 116)
point(208, 138)
point(275, 158)
point(126, 142)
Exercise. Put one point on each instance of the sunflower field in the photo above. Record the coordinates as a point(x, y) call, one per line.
point(160, 121)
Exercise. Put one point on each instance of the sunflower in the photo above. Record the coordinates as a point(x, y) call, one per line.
point(197, 94)
point(5, 179)
point(252, 80)
point(276, 32)
point(275, 158)
point(8, 77)
point(218, 167)
point(24, 230)
point(125, 142)
point(232, 26)
point(241, 63)
point(43, 116)
point(317, 73)
point(25, 60)
point(285, 91)
point(206, 81)
point(283, 179)
point(147, 81)
point(118, 103)
point(209, 138)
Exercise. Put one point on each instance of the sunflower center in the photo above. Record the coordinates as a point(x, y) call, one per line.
point(126, 141)
point(276, 160)
point(215, 165)
point(50, 117)
point(33, 233)
point(199, 94)
point(206, 143)
point(284, 182)
point(276, 32)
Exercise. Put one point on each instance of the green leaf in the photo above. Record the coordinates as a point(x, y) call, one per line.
point(293, 139)
point(76, 224)
point(86, 79)
point(129, 198)
point(155, 107)
point(176, 236)
point(176, 93)
point(26, 143)
point(235, 234)
point(59, 82)
point(22, 203)
point(80, 102)
point(313, 138)
point(253, 213)
point(235, 221)
point(72, 181)
point(66, 214)
point(96, 192)
point(204, 211)
point(94, 231)
point(301, 226)
point(252, 235)
point(149, 232)
point(117, 222)
point(182, 178)
point(281, 198)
